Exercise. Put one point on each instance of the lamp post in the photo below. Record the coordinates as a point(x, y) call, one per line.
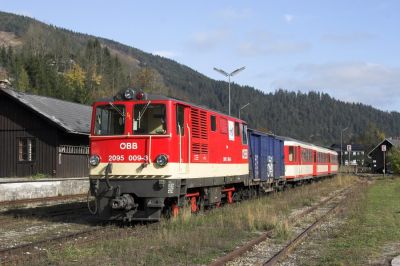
point(244, 106)
point(341, 145)
point(229, 75)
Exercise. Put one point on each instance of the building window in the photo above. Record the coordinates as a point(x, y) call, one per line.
point(26, 149)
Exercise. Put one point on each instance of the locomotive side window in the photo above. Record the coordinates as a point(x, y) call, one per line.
point(213, 123)
point(244, 134)
point(223, 124)
point(149, 119)
point(110, 120)
point(180, 120)
point(237, 129)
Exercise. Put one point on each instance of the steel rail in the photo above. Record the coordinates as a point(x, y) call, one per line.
point(45, 199)
point(248, 246)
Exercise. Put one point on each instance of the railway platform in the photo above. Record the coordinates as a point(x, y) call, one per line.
point(14, 189)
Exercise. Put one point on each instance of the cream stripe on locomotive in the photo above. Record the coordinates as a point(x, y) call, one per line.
point(171, 170)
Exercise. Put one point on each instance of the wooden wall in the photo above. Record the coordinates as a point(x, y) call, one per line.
point(18, 121)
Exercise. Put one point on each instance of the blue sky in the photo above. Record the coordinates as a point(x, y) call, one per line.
point(349, 49)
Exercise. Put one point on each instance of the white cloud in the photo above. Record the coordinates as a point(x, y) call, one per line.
point(235, 14)
point(264, 43)
point(164, 53)
point(369, 83)
point(206, 40)
point(347, 38)
point(23, 13)
point(288, 18)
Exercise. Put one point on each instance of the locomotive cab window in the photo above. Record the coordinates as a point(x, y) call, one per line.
point(110, 120)
point(149, 119)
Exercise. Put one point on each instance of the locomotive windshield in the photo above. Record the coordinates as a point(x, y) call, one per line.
point(149, 119)
point(110, 120)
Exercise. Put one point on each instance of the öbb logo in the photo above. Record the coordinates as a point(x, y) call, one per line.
point(128, 146)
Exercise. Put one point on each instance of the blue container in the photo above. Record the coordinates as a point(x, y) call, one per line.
point(265, 156)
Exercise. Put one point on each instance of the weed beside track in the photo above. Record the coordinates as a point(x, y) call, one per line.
point(198, 239)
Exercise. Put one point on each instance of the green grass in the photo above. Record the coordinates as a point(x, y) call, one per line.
point(198, 239)
point(371, 228)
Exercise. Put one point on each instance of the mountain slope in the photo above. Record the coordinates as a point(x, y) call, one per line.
point(52, 61)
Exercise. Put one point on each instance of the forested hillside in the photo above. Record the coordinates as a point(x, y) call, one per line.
point(47, 60)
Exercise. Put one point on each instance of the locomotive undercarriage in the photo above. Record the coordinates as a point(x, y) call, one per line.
point(150, 199)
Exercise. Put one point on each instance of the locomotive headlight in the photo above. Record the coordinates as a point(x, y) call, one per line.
point(162, 160)
point(128, 94)
point(94, 160)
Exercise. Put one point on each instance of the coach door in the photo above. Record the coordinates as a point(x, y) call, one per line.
point(183, 133)
point(329, 163)
point(315, 163)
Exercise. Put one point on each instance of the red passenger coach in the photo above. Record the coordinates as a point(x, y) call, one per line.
point(150, 154)
point(306, 161)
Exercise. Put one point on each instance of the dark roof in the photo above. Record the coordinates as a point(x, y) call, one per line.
point(354, 147)
point(72, 117)
point(393, 142)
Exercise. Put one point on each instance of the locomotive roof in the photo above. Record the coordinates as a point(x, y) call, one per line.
point(158, 97)
point(72, 117)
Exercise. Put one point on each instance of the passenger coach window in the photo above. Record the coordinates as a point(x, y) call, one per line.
point(291, 154)
point(237, 129)
point(110, 120)
point(213, 123)
point(180, 120)
point(244, 134)
point(149, 119)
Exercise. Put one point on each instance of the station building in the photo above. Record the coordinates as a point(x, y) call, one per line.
point(355, 157)
point(377, 155)
point(42, 136)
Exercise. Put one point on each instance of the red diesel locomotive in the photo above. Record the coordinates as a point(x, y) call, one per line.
point(151, 155)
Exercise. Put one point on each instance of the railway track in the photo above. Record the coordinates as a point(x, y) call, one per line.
point(24, 253)
point(13, 203)
point(285, 250)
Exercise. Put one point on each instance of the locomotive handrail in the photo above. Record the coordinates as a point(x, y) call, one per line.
point(149, 158)
point(180, 148)
point(189, 155)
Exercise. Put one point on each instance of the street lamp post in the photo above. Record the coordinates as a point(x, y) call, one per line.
point(229, 75)
point(341, 145)
point(244, 106)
